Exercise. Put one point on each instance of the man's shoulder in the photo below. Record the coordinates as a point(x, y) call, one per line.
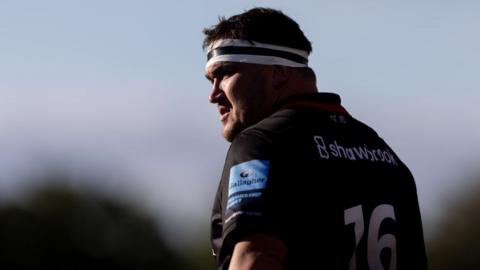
point(276, 124)
point(260, 138)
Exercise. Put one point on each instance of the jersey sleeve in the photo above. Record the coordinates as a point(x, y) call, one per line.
point(248, 188)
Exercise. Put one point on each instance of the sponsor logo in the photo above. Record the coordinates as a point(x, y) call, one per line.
point(334, 150)
point(248, 176)
point(247, 181)
point(245, 173)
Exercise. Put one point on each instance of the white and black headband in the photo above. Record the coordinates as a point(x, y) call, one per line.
point(244, 51)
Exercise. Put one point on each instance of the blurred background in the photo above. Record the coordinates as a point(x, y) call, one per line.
point(110, 152)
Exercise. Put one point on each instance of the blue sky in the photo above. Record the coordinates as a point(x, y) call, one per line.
point(116, 88)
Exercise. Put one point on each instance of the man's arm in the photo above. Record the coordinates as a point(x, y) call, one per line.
point(258, 251)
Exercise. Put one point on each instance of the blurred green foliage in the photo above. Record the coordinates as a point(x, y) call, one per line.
point(456, 244)
point(59, 228)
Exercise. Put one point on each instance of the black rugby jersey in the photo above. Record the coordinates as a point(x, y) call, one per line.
point(324, 183)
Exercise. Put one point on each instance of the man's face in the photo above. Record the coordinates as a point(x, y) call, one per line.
point(243, 94)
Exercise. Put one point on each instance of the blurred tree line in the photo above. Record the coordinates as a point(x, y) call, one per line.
point(456, 244)
point(57, 227)
point(60, 228)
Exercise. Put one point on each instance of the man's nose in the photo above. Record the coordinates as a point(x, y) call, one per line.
point(216, 92)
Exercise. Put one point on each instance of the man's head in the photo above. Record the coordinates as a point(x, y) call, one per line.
point(262, 25)
point(255, 60)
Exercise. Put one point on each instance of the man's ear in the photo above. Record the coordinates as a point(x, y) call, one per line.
point(280, 76)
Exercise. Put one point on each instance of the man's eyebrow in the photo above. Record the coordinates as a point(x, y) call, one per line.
point(216, 71)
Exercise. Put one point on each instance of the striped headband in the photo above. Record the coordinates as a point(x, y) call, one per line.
point(243, 51)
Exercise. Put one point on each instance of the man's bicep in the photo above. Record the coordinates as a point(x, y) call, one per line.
point(258, 251)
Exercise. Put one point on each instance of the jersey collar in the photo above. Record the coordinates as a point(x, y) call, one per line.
point(330, 102)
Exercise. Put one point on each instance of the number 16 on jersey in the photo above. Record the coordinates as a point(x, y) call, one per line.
point(375, 242)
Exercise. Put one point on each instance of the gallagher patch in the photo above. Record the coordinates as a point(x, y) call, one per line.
point(247, 180)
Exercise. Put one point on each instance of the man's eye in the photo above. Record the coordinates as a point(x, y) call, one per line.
point(227, 73)
point(221, 73)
